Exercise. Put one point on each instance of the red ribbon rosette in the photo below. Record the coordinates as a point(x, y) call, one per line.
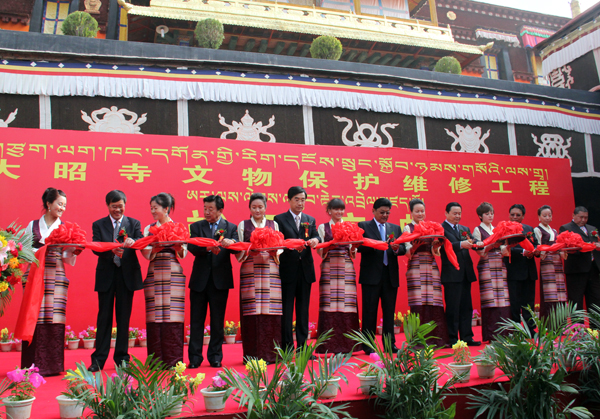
point(506, 228)
point(346, 231)
point(264, 238)
point(164, 233)
point(567, 239)
point(67, 233)
point(430, 228)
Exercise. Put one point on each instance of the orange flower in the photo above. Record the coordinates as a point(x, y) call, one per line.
point(13, 263)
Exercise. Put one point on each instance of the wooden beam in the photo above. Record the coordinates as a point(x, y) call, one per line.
point(292, 48)
point(373, 58)
point(385, 59)
point(396, 60)
point(362, 56)
point(357, 7)
point(232, 43)
point(433, 12)
point(304, 50)
point(249, 44)
point(263, 45)
point(279, 47)
point(350, 55)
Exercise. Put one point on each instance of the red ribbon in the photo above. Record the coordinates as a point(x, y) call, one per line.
point(506, 228)
point(567, 239)
point(430, 228)
point(346, 231)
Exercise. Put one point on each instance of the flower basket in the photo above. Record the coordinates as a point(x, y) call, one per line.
point(89, 343)
point(331, 391)
point(69, 408)
point(461, 371)
point(6, 346)
point(213, 400)
point(143, 342)
point(206, 340)
point(366, 382)
point(113, 342)
point(18, 409)
point(485, 370)
point(230, 339)
point(73, 344)
point(132, 342)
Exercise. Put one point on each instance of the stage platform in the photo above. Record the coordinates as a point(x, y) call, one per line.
point(46, 407)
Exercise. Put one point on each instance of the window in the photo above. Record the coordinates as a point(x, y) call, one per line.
point(491, 66)
point(55, 12)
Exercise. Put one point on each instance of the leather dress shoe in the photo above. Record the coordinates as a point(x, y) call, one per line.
point(216, 364)
point(395, 349)
point(193, 365)
point(473, 343)
point(94, 368)
point(368, 351)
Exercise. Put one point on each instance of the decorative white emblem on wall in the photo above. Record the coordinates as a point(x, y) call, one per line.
point(561, 77)
point(11, 117)
point(553, 145)
point(113, 120)
point(360, 140)
point(469, 139)
point(248, 130)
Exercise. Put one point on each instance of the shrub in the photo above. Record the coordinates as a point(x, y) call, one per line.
point(209, 33)
point(326, 47)
point(448, 65)
point(80, 24)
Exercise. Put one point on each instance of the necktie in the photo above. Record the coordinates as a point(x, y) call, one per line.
point(297, 222)
point(382, 233)
point(584, 230)
point(116, 259)
point(213, 229)
point(455, 229)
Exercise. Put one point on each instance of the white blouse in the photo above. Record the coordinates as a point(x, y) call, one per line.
point(67, 255)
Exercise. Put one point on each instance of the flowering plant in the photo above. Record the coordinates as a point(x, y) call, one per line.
point(207, 331)
point(16, 249)
point(134, 332)
point(142, 334)
point(476, 314)
point(461, 353)
point(312, 326)
point(113, 333)
point(5, 337)
point(218, 384)
point(255, 368)
point(88, 333)
point(294, 326)
point(231, 328)
point(398, 319)
point(372, 369)
point(22, 383)
point(70, 334)
point(184, 384)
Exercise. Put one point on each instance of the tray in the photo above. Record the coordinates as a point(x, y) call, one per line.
point(66, 245)
point(167, 243)
point(431, 238)
point(345, 243)
point(512, 238)
point(570, 249)
point(262, 249)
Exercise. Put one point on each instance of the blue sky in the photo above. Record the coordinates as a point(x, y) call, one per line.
point(551, 7)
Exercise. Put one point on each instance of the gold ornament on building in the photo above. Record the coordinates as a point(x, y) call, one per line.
point(451, 15)
point(93, 6)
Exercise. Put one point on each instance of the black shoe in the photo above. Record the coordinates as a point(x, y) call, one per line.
point(395, 349)
point(368, 351)
point(473, 343)
point(193, 365)
point(216, 364)
point(94, 368)
point(313, 358)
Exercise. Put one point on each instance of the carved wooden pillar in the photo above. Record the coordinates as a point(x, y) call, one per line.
point(35, 24)
point(433, 12)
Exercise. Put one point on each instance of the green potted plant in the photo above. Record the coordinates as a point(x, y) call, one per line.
point(209, 33)
point(133, 335)
point(206, 335)
point(461, 367)
point(6, 340)
point(231, 329)
point(80, 24)
point(369, 373)
point(398, 320)
point(71, 338)
point(22, 384)
point(448, 65)
point(326, 47)
point(113, 337)
point(589, 353)
point(486, 367)
point(68, 404)
point(216, 394)
point(143, 338)
point(183, 385)
point(88, 336)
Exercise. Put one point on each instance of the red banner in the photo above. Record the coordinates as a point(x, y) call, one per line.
point(87, 165)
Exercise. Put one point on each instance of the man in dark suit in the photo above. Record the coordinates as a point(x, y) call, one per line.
point(379, 274)
point(296, 268)
point(210, 282)
point(582, 269)
point(457, 282)
point(521, 272)
point(118, 275)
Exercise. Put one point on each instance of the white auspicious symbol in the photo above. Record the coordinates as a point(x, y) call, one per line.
point(469, 139)
point(360, 140)
point(553, 145)
point(11, 117)
point(114, 120)
point(248, 130)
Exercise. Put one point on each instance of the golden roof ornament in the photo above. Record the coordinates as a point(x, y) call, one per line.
point(93, 6)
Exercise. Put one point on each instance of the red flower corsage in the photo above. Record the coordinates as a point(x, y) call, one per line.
point(123, 233)
point(390, 237)
point(595, 233)
point(220, 234)
point(464, 235)
point(306, 226)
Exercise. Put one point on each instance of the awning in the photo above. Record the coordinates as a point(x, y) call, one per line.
point(531, 36)
point(511, 39)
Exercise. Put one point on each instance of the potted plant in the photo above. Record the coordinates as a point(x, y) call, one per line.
point(231, 330)
point(369, 373)
point(143, 338)
point(22, 384)
point(188, 334)
point(476, 319)
point(5, 340)
point(206, 335)
point(398, 320)
point(312, 330)
point(68, 404)
point(294, 330)
point(72, 340)
point(216, 394)
point(113, 337)
point(183, 385)
point(461, 367)
point(133, 335)
point(88, 336)
point(380, 327)
point(18, 344)
point(486, 367)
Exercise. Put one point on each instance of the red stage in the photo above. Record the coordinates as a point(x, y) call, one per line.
point(46, 407)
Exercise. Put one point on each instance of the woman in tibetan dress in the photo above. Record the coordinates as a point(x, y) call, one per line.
point(493, 285)
point(260, 288)
point(164, 289)
point(338, 308)
point(553, 288)
point(47, 348)
point(425, 296)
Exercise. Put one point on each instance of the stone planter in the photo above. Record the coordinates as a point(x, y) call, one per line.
point(379, 330)
point(20, 409)
point(73, 344)
point(132, 342)
point(69, 408)
point(143, 343)
point(462, 371)
point(213, 400)
point(89, 343)
point(486, 370)
point(6, 346)
point(331, 391)
point(229, 338)
point(206, 340)
point(366, 382)
point(396, 330)
point(113, 342)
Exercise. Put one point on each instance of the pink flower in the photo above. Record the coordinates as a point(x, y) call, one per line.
point(5, 266)
point(16, 375)
point(374, 356)
point(379, 364)
point(36, 380)
point(11, 245)
point(218, 381)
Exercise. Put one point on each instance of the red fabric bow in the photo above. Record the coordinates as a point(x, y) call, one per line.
point(346, 231)
point(67, 233)
point(430, 228)
point(264, 238)
point(567, 239)
point(164, 233)
point(506, 228)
